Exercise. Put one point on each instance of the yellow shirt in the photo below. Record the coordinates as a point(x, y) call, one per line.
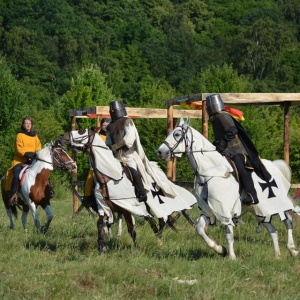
point(25, 143)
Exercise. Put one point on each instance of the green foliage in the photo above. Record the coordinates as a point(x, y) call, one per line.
point(61, 55)
point(88, 89)
point(223, 79)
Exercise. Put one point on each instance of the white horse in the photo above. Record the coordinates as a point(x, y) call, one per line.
point(35, 188)
point(114, 189)
point(217, 190)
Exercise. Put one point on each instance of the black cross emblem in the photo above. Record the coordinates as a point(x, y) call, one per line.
point(269, 185)
point(157, 193)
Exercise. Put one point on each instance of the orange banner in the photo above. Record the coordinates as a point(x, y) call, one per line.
point(236, 113)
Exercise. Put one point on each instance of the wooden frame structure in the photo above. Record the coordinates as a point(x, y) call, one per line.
point(171, 114)
point(241, 99)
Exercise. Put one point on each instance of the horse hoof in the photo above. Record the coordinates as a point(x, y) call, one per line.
point(102, 250)
point(43, 229)
point(223, 252)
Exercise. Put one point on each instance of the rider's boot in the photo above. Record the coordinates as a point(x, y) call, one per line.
point(139, 187)
point(13, 195)
point(250, 199)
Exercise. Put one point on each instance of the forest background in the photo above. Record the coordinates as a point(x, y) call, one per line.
point(56, 55)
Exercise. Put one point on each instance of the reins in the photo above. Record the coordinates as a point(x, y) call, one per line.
point(59, 164)
point(188, 144)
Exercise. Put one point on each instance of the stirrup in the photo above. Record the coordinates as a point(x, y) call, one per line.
point(249, 200)
point(142, 197)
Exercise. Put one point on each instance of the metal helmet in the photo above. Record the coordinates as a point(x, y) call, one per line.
point(117, 109)
point(214, 103)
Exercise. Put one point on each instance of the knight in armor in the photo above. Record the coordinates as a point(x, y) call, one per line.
point(232, 141)
point(26, 144)
point(123, 139)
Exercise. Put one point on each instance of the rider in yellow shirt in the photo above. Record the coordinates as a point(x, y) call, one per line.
point(26, 144)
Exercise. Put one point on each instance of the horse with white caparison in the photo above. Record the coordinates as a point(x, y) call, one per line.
point(116, 193)
point(35, 189)
point(217, 190)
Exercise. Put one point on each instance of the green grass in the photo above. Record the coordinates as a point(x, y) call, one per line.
point(65, 264)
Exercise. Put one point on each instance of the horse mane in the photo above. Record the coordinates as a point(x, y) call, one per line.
point(284, 168)
point(206, 144)
point(45, 151)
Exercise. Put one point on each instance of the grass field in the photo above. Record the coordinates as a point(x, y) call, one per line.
point(65, 264)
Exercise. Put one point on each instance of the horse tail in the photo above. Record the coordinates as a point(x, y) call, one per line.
point(14, 211)
point(284, 168)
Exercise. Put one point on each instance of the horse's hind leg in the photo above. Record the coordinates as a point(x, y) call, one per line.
point(187, 217)
point(130, 226)
point(101, 234)
point(201, 223)
point(290, 244)
point(171, 221)
point(274, 236)
point(10, 217)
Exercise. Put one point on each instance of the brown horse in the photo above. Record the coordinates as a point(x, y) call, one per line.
point(116, 193)
point(35, 189)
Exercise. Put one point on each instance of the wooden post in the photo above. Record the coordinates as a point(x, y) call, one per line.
point(74, 174)
point(286, 135)
point(171, 165)
point(98, 121)
point(204, 119)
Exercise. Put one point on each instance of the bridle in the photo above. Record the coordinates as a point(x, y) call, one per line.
point(184, 136)
point(57, 162)
point(188, 143)
point(81, 141)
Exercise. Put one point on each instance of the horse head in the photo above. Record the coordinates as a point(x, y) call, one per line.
point(78, 140)
point(183, 139)
point(177, 142)
point(61, 158)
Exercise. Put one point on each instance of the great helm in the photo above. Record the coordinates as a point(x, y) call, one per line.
point(117, 109)
point(214, 103)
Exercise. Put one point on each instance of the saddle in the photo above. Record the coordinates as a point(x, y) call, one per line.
point(235, 171)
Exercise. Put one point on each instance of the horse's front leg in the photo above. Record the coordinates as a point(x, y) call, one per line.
point(230, 241)
point(36, 219)
point(274, 236)
point(101, 223)
point(24, 220)
point(49, 214)
point(290, 244)
point(201, 224)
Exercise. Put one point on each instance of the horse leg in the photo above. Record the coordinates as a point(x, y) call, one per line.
point(171, 220)
point(101, 234)
point(10, 218)
point(36, 219)
point(201, 224)
point(274, 236)
point(107, 229)
point(290, 244)
point(130, 226)
point(49, 214)
point(153, 225)
point(24, 220)
point(230, 241)
point(120, 219)
point(187, 217)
